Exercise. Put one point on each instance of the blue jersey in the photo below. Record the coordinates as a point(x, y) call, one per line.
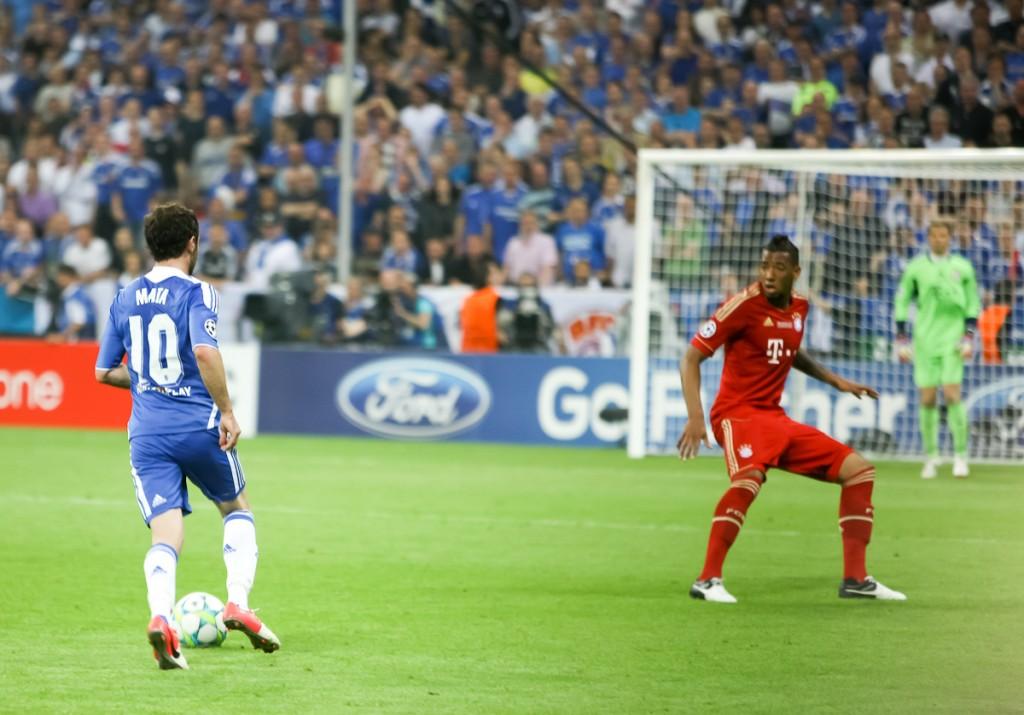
point(275, 155)
point(159, 320)
point(104, 173)
point(321, 154)
point(237, 236)
point(688, 121)
point(137, 184)
point(76, 308)
point(167, 76)
point(475, 206)
point(220, 102)
point(18, 259)
point(605, 210)
point(580, 243)
point(565, 193)
point(504, 216)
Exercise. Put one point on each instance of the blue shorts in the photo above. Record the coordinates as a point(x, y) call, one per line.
point(160, 464)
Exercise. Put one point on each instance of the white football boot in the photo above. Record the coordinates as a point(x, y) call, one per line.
point(868, 588)
point(960, 468)
point(711, 590)
point(930, 470)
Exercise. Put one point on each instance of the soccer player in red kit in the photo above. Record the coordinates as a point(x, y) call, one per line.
point(761, 328)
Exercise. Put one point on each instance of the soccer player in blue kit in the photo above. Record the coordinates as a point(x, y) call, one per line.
point(182, 424)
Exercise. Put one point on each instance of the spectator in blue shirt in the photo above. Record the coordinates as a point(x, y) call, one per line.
point(21, 264)
point(141, 89)
point(503, 218)
point(759, 70)
point(217, 215)
point(572, 186)
point(728, 90)
point(579, 240)
point(136, 184)
point(850, 35)
point(680, 57)
point(76, 312)
point(978, 240)
point(749, 110)
point(540, 197)
point(167, 72)
point(275, 153)
point(609, 205)
point(616, 63)
point(588, 34)
point(239, 178)
point(680, 119)
point(730, 47)
point(828, 134)
point(323, 147)
point(401, 255)
point(475, 204)
point(261, 99)
point(846, 108)
point(828, 19)
point(325, 311)
point(220, 94)
point(593, 93)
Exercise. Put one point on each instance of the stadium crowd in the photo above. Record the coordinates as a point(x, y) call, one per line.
point(469, 168)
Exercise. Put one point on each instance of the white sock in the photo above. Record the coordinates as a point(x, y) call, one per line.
point(160, 565)
point(240, 555)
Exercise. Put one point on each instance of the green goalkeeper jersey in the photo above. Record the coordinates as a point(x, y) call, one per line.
point(946, 294)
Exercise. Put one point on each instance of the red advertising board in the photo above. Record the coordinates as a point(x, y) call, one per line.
point(47, 385)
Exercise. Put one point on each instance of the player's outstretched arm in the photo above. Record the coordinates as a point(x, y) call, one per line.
point(809, 366)
point(211, 369)
point(116, 377)
point(695, 431)
point(109, 368)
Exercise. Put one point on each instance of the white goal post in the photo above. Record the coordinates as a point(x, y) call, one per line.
point(857, 217)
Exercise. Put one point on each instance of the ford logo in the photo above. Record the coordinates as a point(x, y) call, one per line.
point(413, 397)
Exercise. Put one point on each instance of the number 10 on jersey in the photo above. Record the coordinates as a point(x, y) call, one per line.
point(160, 337)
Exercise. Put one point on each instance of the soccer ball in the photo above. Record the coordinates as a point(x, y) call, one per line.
point(199, 618)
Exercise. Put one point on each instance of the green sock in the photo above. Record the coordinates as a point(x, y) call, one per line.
point(929, 419)
point(957, 419)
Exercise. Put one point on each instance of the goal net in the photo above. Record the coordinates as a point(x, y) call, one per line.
point(857, 217)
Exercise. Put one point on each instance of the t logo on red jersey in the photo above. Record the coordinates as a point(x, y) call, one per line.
point(774, 350)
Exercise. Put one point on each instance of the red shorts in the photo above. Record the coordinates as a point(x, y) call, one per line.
point(759, 440)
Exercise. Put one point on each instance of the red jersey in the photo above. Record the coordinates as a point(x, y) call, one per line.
point(761, 342)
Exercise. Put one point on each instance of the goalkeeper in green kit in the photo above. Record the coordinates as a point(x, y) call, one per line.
point(946, 293)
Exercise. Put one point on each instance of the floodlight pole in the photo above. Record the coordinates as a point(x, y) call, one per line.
point(346, 172)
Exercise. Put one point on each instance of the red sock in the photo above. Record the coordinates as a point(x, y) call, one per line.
point(856, 517)
point(730, 514)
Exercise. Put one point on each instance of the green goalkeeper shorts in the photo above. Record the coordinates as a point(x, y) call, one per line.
point(943, 369)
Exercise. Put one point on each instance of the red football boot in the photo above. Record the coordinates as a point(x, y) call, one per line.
point(239, 619)
point(166, 647)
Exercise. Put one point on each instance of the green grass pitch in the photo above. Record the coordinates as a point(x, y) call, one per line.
point(445, 578)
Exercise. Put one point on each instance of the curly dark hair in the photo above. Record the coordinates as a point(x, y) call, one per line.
point(168, 229)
